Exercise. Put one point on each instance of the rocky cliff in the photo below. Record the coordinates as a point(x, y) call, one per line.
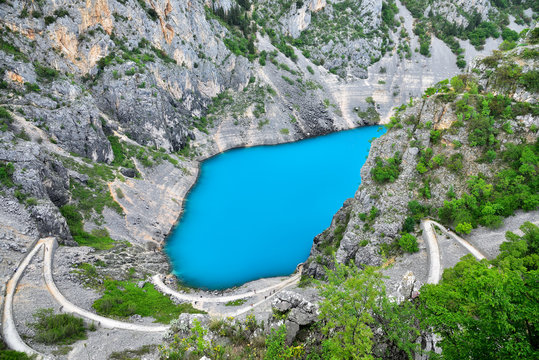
point(438, 149)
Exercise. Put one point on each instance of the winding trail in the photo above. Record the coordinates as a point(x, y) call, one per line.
point(50, 246)
point(435, 266)
point(9, 330)
point(158, 282)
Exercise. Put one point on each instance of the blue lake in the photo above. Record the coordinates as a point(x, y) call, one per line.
point(254, 212)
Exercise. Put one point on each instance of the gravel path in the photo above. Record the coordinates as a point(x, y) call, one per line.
point(9, 331)
point(435, 265)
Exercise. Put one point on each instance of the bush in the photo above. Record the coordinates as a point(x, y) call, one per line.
point(408, 243)
point(5, 119)
point(386, 170)
point(57, 329)
point(409, 225)
point(6, 174)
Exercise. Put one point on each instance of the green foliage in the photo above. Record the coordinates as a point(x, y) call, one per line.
point(530, 80)
point(488, 310)
point(6, 174)
point(464, 228)
point(457, 84)
point(125, 298)
point(45, 73)
point(236, 302)
point(11, 49)
point(5, 119)
point(408, 243)
point(345, 311)
point(276, 347)
point(354, 303)
point(117, 150)
point(57, 329)
point(195, 344)
point(509, 35)
point(386, 170)
point(435, 136)
point(30, 87)
point(516, 187)
point(520, 253)
point(132, 354)
point(6, 354)
point(101, 241)
point(408, 225)
point(49, 20)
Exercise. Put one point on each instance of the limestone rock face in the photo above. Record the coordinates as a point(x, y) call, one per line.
point(300, 311)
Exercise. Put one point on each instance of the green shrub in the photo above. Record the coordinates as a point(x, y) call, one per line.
point(57, 329)
point(408, 243)
point(32, 87)
point(530, 81)
point(386, 170)
point(6, 174)
point(5, 119)
point(409, 225)
point(49, 20)
point(464, 228)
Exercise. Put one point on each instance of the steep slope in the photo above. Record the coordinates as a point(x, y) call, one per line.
point(465, 153)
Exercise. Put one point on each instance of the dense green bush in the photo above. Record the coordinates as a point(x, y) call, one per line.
point(57, 329)
point(6, 354)
point(408, 243)
point(386, 170)
point(44, 72)
point(5, 119)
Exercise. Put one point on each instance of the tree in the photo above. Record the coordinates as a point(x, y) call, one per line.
point(349, 297)
point(489, 310)
point(354, 303)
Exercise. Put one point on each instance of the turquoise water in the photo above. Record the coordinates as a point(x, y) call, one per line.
point(254, 211)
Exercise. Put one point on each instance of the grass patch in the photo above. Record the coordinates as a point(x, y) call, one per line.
point(5, 119)
point(124, 299)
point(236, 302)
point(132, 354)
point(53, 328)
point(98, 239)
point(6, 354)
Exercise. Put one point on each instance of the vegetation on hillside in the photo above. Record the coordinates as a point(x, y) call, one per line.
point(124, 299)
point(476, 30)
